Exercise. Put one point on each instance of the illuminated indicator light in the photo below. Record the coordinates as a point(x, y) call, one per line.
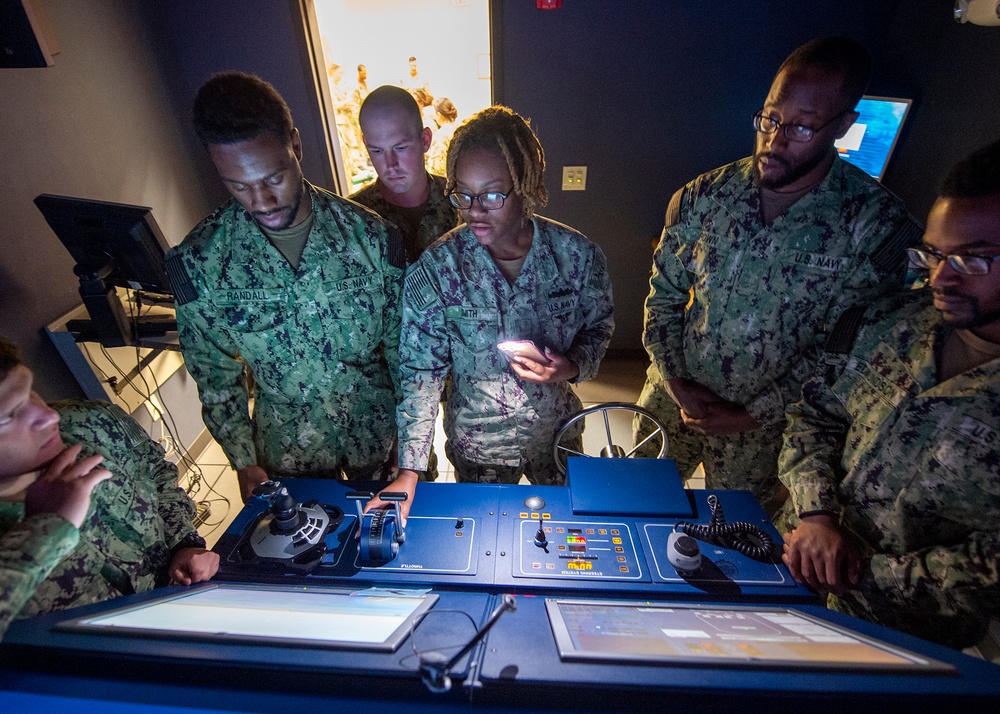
point(534, 516)
point(458, 534)
point(614, 531)
point(590, 531)
point(562, 547)
point(623, 568)
point(524, 515)
point(546, 516)
point(616, 540)
point(621, 558)
point(602, 531)
point(619, 549)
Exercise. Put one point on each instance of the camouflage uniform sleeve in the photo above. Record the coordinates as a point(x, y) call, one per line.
point(592, 340)
point(28, 553)
point(135, 456)
point(212, 360)
point(392, 311)
point(814, 440)
point(147, 460)
point(670, 290)
point(882, 235)
point(943, 593)
point(424, 364)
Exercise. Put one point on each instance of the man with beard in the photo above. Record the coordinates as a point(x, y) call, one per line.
point(892, 458)
point(295, 287)
point(756, 260)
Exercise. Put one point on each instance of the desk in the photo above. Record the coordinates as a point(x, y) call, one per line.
point(517, 667)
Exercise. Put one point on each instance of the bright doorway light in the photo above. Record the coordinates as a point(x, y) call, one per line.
point(437, 49)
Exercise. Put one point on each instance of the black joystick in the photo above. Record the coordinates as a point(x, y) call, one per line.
point(683, 552)
point(285, 510)
point(537, 503)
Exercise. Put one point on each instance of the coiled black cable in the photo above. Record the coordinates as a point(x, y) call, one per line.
point(746, 538)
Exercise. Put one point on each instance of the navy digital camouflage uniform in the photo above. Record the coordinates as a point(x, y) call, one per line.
point(912, 466)
point(439, 216)
point(320, 342)
point(136, 519)
point(740, 307)
point(457, 306)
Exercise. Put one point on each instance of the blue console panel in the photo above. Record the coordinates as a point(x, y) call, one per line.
point(526, 538)
point(472, 546)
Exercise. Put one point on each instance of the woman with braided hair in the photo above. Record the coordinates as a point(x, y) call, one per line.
point(506, 274)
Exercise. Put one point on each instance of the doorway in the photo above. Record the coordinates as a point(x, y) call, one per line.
point(439, 50)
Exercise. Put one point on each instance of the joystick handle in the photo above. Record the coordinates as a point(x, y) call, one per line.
point(396, 497)
point(683, 552)
point(360, 498)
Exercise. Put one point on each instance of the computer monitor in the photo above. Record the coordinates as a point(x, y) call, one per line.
point(869, 142)
point(114, 245)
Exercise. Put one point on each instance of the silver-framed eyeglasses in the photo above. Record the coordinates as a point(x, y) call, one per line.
point(964, 264)
point(489, 201)
point(793, 132)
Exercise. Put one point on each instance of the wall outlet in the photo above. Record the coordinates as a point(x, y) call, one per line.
point(574, 178)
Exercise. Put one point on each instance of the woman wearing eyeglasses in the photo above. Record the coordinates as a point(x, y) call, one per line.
point(505, 275)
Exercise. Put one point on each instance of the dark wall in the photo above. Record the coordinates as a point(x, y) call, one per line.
point(97, 124)
point(648, 94)
point(951, 73)
point(262, 37)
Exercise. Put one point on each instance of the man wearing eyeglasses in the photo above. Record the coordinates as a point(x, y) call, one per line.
point(892, 458)
point(756, 260)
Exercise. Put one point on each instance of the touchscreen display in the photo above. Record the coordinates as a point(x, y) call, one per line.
point(319, 617)
point(718, 635)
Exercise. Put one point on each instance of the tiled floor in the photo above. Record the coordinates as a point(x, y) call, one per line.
point(619, 380)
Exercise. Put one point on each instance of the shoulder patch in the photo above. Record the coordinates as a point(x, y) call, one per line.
point(890, 255)
point(842, 337)
point(180, 281)
point(418, 289)
point(673, 216)
point(131, 427)
point(395, 250)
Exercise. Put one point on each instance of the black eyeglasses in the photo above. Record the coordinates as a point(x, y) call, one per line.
point(793, 132)
point(489, 201)
point(964, 264)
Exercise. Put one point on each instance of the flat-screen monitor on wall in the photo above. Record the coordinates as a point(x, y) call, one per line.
point(868, 144)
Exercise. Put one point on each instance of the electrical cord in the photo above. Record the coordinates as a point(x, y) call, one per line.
point(746, 538)
point(195, 474)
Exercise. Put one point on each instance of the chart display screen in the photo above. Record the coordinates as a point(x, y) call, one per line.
point(869, 142)
point(713, 635)
point(316, 617)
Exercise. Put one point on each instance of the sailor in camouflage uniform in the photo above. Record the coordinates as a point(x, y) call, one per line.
point(758, 258)
point(299, 288)
point(505, 275)
point(405, 194)
point(85, 523)
point(892, 458)
point(437, 215)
